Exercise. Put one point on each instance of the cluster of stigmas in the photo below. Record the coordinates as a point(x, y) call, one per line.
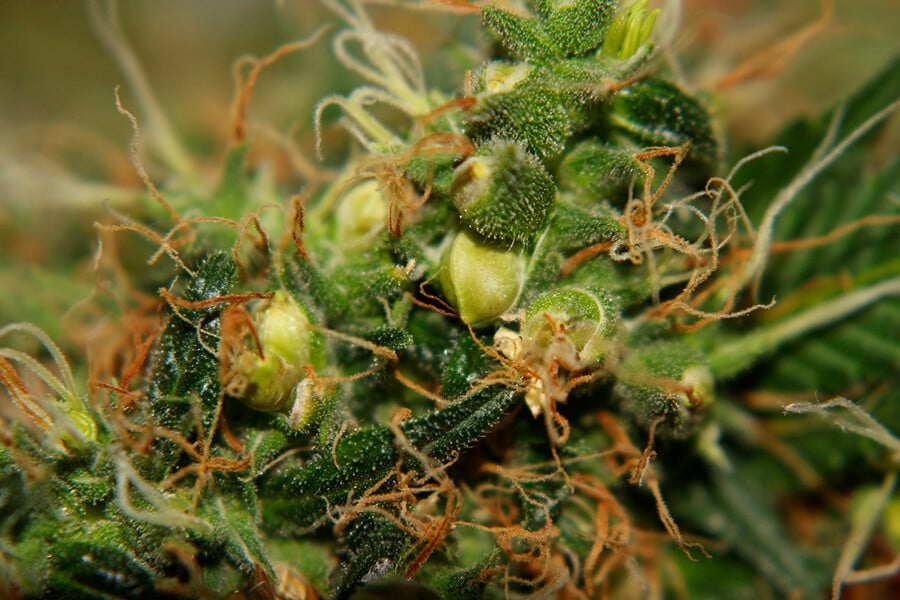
point(489, 202)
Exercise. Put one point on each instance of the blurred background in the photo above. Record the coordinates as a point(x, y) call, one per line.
point(64, 148)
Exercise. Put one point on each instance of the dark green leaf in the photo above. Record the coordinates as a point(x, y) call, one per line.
point(360, 459)
point(184, 363)
point(84, 570)
point(372, 547)
point(654, 112)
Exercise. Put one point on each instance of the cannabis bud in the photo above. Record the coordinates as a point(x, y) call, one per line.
point(481, 280)
point(503, 192)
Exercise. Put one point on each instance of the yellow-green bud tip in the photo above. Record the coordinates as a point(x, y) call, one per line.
point(629, 30)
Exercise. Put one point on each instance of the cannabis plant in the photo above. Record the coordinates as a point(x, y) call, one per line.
point(539, 335)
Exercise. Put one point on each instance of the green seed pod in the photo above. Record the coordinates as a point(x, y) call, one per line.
point(305, 406)
point(361, 214)
point(77, 565)
point(272, 378)
point(482, 281)
point(503, 192)
point(562, 27)
point(665, 381)
point(580, 325)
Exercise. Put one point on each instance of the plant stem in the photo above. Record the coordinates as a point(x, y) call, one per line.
point(731, 359)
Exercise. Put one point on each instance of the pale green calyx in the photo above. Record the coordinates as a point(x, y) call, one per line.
point(699, 386)
point(265, 378)
point(502, 77)
point(361, 215)
point(84, 422)
point(582, 321)
point(503, 192)
point(629, 30)
point(481, 280)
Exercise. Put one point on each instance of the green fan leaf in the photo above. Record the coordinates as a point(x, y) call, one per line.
point(848, 220)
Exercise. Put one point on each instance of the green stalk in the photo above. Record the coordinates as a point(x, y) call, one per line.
point(730, 359)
